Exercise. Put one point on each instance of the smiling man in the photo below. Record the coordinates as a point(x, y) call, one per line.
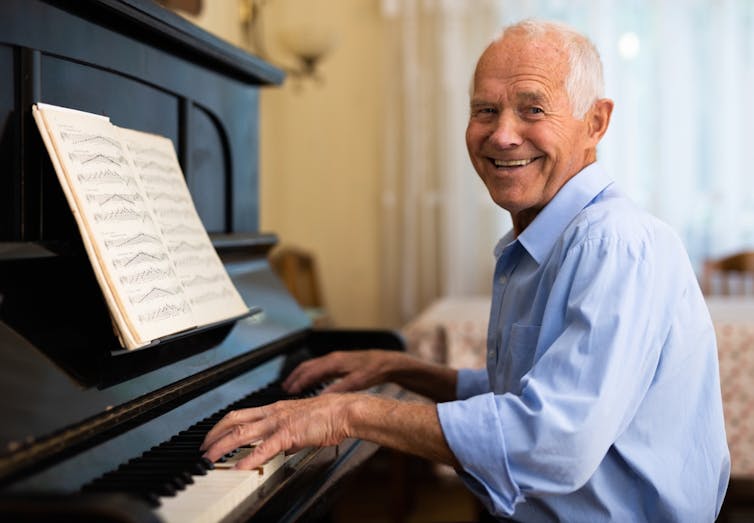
point(601, 397)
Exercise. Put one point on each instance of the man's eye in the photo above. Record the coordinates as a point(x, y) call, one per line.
point(535, 110)
point(484, 114)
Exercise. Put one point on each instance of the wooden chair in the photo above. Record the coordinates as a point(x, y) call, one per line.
point(730, 275)
point(298, 270)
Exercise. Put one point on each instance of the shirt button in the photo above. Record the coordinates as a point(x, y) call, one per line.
point(502, 280)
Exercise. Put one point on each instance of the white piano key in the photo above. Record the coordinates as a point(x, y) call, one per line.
point(213, 497)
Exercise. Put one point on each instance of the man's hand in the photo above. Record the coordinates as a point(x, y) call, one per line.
point(358, 370)
point(361, 369)
point(285, 426)
point(327, 420)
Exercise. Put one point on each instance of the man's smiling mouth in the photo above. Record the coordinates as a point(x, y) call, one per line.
point(513, 163)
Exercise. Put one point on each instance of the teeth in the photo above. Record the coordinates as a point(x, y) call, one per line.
point(513, 163)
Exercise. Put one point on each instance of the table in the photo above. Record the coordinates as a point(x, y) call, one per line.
point(453, 331)
point(733, 317)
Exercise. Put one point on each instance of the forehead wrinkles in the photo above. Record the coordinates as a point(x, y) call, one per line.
point(515, 60)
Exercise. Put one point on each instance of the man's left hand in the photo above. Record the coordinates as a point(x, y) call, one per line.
point(285, 426)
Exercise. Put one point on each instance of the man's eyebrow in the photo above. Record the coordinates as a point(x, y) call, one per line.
point(480, 102)
point(531, 97)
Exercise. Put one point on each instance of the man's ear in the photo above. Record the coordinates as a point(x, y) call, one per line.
point(598, 118)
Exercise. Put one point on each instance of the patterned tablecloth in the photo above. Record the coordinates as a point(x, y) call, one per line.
point(454, 330)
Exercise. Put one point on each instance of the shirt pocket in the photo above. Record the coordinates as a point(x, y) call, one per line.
point(519, 358)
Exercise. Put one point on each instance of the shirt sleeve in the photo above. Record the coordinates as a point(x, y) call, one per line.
point(472, 382)
point(593, 359)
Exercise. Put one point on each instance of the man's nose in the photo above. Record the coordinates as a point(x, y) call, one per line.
point(507, 132)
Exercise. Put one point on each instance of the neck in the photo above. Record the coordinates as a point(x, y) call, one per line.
point(522, 220)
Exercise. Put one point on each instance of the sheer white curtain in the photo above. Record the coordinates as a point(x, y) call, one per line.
point(439, 225)
point(680, 143)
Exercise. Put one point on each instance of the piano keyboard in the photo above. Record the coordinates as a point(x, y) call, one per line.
point(183, 486)
point(216, 495)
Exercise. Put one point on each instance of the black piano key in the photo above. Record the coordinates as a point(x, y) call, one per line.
point(132, 487)
point(149, 497)
point(196, 468)
point(180, 471)
point(147, 477)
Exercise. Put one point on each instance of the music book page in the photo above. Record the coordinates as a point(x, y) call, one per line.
point(152, 257)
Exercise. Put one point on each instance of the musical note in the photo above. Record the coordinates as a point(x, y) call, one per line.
point(202, 280)
point(154, 294)
point(180, 229)
point(153, 165)
point(186, 247)
point(171, 197)
point(105, 176)
point(104, 199)
point(134, 240)
point(173, 214)
point(164, 312)
point(141, 257)
point(210, 296)
point(94, 158)
point(143, 151)
point(90, 139)
point(154, 179)
point(122, 214)
point(145, 276)
point(192, 261)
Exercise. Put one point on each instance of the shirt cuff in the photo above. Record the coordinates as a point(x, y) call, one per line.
point(472, 382)
point(473, 431)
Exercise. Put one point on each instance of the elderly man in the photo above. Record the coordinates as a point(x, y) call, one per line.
point(601, 397)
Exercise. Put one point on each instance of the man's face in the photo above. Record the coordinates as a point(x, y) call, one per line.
point(522, 137)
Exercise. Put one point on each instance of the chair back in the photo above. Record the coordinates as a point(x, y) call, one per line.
point(730, 275)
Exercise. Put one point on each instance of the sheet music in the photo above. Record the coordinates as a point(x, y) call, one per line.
point(212, 295)
point(151, 254)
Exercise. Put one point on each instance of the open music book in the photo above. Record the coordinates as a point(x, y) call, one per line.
point(151, 254)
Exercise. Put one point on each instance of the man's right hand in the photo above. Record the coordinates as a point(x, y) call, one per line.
point(357, 370)
point(361, 369)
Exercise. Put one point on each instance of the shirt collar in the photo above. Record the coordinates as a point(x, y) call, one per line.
point(541, 234)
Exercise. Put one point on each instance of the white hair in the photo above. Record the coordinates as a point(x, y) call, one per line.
point(584, 83)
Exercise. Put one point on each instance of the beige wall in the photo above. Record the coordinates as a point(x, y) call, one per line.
point(320, 148)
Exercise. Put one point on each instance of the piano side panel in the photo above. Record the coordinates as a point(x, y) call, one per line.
point(8, 147)
point(208, 158)
point(128, 102)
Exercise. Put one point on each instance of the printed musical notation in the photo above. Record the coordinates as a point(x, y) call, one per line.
point(150, 274)
point(122, 214)
point(151, 255)
point(76, 138)
point(86, 158)
point(193, 256)
point(133, 240)
point(105, 176)
point(155, 293)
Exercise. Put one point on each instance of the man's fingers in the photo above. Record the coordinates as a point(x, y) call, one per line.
point(348, 383)
point(263, 452)
point(237, 436)
point(311, 372)
point(231, 419)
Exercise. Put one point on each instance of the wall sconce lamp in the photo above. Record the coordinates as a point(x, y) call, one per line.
point(308, 44)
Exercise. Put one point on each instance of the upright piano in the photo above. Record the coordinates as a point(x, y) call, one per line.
point(90, 432)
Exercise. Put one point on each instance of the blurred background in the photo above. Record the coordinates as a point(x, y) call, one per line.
point(363, 159)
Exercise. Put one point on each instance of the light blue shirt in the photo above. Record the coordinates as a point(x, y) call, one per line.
point(601, 399)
